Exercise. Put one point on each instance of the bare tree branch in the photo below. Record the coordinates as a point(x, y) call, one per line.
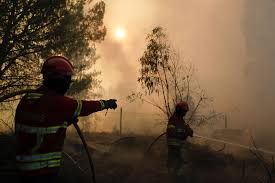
point(7, 125)
point(261, 159)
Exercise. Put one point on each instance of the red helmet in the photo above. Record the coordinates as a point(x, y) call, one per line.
point(57, 65)
point(182, 106)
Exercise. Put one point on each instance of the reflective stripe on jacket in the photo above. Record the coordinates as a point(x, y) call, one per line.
point(176, 131)
point(41, 121)
point(38, 157)
point(174, 142)
point(38, 161)
point(38, 165)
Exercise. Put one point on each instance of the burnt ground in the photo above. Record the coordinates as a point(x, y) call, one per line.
point(124, 161)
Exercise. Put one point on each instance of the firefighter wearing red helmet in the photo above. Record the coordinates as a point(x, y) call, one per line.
point(177, 132)
point(42, 118)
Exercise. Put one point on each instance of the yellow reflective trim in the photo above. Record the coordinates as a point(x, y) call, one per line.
point(171, 126)
point(78, 108)
point(54, 161)
point(54, 165)
point(40, 130)
point(51, 157)
point(39, 157)
point(175, 142)
point(38, 165)
point(34, 95)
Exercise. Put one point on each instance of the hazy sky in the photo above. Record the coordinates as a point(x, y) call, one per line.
point(230, 42)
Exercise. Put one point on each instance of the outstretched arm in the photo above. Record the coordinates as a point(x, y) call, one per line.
point(88, 107)
point(68, 108)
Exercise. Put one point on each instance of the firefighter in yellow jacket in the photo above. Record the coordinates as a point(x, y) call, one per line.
point(177, 133)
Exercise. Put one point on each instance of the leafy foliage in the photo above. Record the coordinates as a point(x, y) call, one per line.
point(165, 77)
point(30, 31)
point(154, 61)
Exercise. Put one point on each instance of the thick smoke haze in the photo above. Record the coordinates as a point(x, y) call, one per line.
point(257, 23)
point(231, 43)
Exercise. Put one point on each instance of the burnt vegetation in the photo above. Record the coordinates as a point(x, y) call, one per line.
point(125, 160)
point(30, 31)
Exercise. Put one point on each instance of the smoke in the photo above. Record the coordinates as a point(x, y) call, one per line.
point(231, 43)
point(258, 29)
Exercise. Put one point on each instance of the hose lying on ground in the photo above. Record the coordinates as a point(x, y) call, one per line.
point(74, 162)
point(110, 144)
point(154, 141)
point(87, 150)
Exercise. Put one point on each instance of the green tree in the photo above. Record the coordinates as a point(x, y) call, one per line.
point(165, 78)
point(30, 31)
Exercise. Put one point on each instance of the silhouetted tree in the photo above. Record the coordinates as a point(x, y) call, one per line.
point(165, 78)
point(30, 31)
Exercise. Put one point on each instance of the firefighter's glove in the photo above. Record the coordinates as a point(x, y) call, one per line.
point(110, 104)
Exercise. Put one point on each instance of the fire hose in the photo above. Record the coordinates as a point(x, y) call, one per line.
point(87, 151)
point(217, 140)
point(156, 139)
